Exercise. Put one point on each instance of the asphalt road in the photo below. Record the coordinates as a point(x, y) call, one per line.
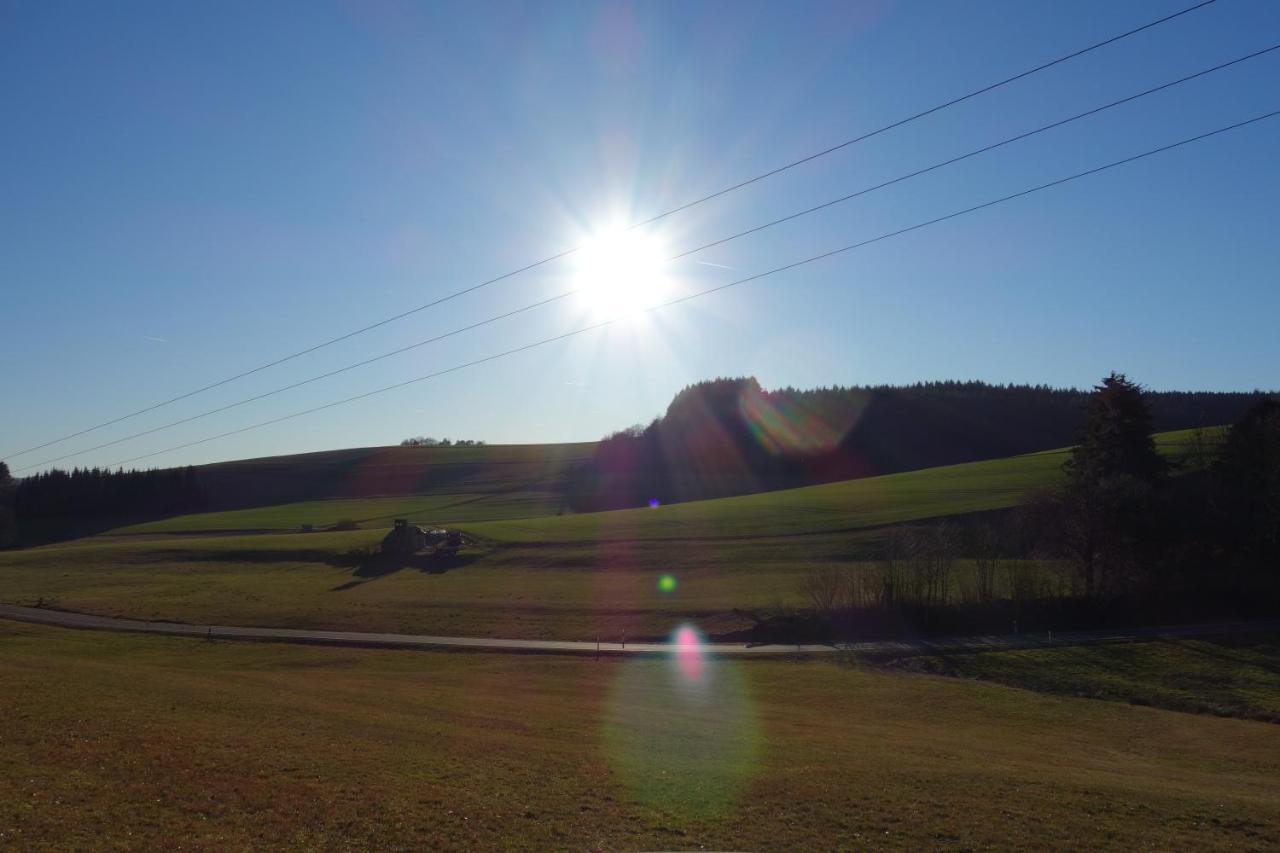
point(66, 619)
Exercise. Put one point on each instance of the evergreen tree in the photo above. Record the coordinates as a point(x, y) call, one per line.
point(1247, 487)
point(1106, 517)
point(8, 532)
point(1116, 437)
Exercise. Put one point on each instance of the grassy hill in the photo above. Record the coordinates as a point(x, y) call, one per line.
point(831, 507)
point(492, 491)
point(372, 471)
point(454, 509)
point(570, 577)
point(374, 485)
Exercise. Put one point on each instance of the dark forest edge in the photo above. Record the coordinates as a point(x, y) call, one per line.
point(60, 504)
point(1122, 542)
point(716, 438)
point(730, 436)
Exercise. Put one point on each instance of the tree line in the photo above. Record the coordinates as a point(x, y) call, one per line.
point(8, 526)
point(427, 441)
point(1128, 526)
point(730, 436)
point(101, 493)
point(1129, 537)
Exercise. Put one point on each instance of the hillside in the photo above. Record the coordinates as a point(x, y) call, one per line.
point(543, 577)
point(531, 516)
point(375, 471)
point(830, 507)
point(732, 437)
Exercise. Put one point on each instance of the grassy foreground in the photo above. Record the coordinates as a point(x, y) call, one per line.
point(116, 740)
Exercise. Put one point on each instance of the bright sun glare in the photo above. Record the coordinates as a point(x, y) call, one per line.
point(620, 272)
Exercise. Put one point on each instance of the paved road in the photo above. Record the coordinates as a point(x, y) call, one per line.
point(65, 619)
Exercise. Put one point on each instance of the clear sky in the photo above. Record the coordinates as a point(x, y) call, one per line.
point(188, 190)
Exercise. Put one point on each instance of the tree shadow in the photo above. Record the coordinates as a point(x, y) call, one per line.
point(371, 566)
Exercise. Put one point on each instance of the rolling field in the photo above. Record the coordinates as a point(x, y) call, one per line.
point(498, 488)
point(569, 577)
point(366, 512)
point(375, 483)
point(827, 508)
point(370, 471)
point(235, 746)
point(569, 591)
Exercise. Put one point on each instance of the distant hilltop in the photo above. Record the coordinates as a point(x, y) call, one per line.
point(731, 436)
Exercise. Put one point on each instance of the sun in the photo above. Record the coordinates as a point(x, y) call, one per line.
point(619, 272)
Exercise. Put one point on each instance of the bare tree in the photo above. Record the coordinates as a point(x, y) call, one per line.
point(825, 587)
point(865, 586)
point(979, 586)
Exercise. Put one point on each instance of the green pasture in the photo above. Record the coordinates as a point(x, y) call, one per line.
point(571, 591)
point(572, 577)
point(497, 507)
point(366, 512)
point(847, 505)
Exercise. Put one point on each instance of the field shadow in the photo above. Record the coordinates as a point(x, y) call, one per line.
point(366, 564)
point(371, 566)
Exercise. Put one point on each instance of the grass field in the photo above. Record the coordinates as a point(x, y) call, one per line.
point(592, 576)
point(233, 746)
point(846, 505)
point(570, 591)
point(366, 471)
point(495, 499)
point(1237, 676)
point(366, 512)
point(376, 484)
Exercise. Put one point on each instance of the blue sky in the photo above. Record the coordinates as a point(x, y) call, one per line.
point(189, 190)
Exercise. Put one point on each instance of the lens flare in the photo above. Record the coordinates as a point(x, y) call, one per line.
point(653, 503)
point(783, 425)
point(682, 733)
point(689, 654)
point(667, 583)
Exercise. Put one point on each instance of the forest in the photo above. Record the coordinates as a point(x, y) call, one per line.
point(98, 492)
point(730, 436)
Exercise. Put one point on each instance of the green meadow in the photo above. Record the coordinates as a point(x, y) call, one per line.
point(557, 577)
point(495, 499)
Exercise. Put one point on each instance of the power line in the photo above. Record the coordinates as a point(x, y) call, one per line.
point(982, 150)
point(684, 254)
point(686, 206)
point(708, 291)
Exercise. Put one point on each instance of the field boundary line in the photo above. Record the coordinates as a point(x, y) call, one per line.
point(357, 639)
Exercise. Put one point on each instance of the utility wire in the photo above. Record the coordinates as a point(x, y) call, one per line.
point(676, 257)
point(566, 253)
point(716, 289)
